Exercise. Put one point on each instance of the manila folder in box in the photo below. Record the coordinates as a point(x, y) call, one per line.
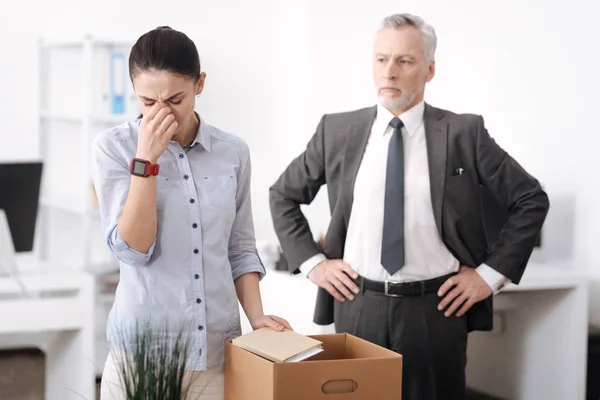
point(284, 346)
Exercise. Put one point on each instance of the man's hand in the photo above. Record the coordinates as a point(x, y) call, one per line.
point(334, 276)
point(463, 289)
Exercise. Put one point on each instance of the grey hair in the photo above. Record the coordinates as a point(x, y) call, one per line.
point(398, 21)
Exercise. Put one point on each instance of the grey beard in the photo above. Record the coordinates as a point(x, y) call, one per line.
point(398, 104)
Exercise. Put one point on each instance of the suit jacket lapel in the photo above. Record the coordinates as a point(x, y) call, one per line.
point(356, 142)
point(436, 136)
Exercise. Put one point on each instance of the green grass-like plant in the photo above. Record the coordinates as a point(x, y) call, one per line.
point(151, 364)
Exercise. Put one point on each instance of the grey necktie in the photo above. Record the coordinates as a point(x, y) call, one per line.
point(392, 246)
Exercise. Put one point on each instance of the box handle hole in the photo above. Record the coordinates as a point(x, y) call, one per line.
point(339, 386)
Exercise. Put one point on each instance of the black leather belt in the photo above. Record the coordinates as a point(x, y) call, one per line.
point(402, 289)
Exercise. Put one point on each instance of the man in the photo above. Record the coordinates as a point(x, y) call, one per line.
point(405, 255)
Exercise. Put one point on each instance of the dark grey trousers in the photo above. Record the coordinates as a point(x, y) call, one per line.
point(433, 346)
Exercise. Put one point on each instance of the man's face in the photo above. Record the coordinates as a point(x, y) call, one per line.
point(401, 68)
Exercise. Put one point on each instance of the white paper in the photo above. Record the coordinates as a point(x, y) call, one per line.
point(305, 354)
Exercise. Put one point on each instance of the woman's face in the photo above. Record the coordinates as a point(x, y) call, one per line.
point(168, 89)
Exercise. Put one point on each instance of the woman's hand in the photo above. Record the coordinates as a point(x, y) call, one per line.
point(248, 293)
point(270, 321)
point(156, 130)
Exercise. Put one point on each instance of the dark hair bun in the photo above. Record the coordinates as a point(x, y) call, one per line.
point(165, 49)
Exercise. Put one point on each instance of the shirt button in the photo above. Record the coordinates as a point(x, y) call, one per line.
point(186, 177)
point(197, 276)
point(192, 201)
point(200, 328)
point(198, 301)
point(194, 225)
point(196, 251)
point(180, 155)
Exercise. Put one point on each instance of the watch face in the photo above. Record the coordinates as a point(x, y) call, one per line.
point(139, 168)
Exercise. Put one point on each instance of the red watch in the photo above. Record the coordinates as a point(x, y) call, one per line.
point(143, 168)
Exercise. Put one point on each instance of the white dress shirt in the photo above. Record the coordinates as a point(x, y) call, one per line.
point(426, 256)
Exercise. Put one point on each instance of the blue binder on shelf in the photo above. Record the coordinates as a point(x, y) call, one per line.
point(118, 79)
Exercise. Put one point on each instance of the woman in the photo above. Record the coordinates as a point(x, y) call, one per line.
point(174, 196)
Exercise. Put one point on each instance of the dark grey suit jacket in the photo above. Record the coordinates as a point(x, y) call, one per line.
point(454, 141)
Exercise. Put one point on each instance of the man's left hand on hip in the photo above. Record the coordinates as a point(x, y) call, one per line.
point(462, 290)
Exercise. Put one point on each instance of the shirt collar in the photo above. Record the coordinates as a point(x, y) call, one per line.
point(411, 118)
point(203, 135)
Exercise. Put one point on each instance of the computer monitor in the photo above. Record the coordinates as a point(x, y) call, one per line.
point(494, 217)
point(19, 198)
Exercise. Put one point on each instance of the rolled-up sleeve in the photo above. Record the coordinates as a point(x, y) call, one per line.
point(243, 255)
point(111, 177)
point(126, 254)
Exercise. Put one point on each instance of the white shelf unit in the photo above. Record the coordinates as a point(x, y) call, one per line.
point(74, 99)
point(73, 109)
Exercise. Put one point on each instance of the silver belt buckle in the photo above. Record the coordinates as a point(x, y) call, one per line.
point(386, 288)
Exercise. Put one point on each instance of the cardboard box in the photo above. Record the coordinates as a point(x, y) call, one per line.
point(349, 365)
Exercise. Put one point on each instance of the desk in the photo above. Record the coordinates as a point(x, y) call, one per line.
point(60, 321)
point(538, 348)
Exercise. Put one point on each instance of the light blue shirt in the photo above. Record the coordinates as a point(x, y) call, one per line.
point(205, 238)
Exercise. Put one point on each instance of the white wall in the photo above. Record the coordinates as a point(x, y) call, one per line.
point(530, 68)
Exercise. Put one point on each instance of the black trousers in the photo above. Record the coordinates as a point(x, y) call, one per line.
point(433, 346)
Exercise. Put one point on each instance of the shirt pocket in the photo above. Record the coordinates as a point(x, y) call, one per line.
point(220, 191)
